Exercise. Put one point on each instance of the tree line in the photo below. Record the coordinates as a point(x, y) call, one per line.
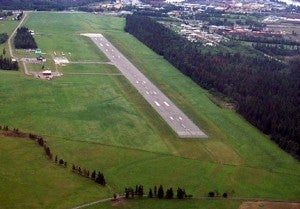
point(8, 64)
point(43, 5)
point(5, 14)
point(266, 91)
point(24, 39)
point(277, 50)
point(264, 39)
point(157, 192)
point(98, 178)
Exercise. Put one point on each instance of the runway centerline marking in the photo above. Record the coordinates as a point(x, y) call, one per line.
point(153, 95)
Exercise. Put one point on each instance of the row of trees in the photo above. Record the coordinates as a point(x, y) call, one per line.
point(277, 50)
point(43, 5)
point(265, 39)
point(24, 39)
point(8, 64)
point(156, 192)
point(5, 14)
point(98, 178)
point(266, 91)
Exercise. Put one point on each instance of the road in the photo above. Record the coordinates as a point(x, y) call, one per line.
point(13, 33)
point(176, 119)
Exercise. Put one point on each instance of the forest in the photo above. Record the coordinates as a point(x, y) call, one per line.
point(24, 40)
point(43, 5)
point(266, 91)
point(8, 64)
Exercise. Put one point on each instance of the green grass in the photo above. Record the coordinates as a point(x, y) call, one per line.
point(85, 108)
point(29, 180)
point(101, 122)
point(60, 33)
point(170, 204)
point(7, 26)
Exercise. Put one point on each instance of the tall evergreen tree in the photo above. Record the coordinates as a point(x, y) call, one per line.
point(155, 191)
point(93, 176)
point(160, 192)
point(169, 193)
point(150, 194)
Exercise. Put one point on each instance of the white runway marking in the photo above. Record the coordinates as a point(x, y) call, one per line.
point(158, 100)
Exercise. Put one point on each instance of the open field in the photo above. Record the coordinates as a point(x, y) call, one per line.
point(7, 26)
point(167, 204)
point(268, 205)
point(29, 180)
point(101, 122)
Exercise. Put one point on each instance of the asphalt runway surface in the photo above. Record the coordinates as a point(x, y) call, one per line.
point(177, 120)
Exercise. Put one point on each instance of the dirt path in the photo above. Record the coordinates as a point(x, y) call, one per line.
point(93, 203)
point(25, 69)
point(248, 203)
point(13, 33)
point(269, 205)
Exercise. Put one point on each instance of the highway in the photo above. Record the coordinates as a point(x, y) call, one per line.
point(176, 119)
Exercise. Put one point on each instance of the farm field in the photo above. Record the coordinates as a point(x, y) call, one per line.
point(101, 122)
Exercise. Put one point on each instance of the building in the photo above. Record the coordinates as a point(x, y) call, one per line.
point(47, 74)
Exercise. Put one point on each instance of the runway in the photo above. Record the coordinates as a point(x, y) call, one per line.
point(176, 119)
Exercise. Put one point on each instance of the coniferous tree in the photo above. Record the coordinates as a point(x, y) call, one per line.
point(93, 176)
point(127, 192)
point(160, 192)
point(150, 194)
point(24, 39)
point(232, 76)
point(180, 193)
point(169, 193)
point(155, 191)
point(141, 191)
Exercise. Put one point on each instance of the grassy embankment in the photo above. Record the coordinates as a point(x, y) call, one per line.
point(101, 122)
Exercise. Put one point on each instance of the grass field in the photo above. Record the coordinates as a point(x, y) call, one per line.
point(167, 204)
point(7, 26)
point(101, 122)
point(31, 181)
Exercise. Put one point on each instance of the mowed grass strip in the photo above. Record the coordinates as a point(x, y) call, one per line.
point(30, 180)
point(90, 68)
point(90, 108)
